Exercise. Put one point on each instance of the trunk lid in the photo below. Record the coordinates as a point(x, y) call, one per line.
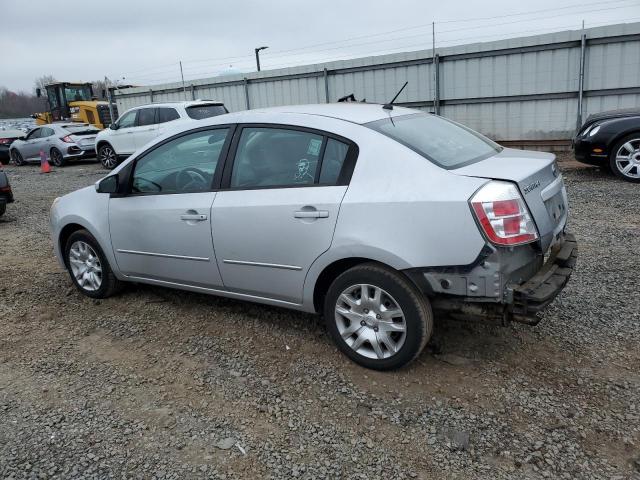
point(540, 184)
point(85, 140)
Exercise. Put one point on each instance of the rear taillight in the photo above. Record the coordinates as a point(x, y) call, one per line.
point(5, 141)
point(503, 215)
point(67, 139)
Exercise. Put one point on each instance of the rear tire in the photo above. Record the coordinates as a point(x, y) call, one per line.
point(88, 266)
point(57, 159)
point(17, 158)
point(625, 155)
point(377, 317)
point(107, 156)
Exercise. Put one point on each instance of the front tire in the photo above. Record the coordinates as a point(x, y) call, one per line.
point(377, 317)
point(624, 159)
point(57, 159)
point(17, 158)
point(88, 267)
point(107, 156)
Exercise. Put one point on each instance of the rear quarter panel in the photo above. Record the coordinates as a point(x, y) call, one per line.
point(402, 210)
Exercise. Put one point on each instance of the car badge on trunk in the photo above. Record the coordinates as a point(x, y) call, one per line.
point(531, 186)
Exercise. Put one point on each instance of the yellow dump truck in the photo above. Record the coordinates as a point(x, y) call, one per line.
point(74, 102)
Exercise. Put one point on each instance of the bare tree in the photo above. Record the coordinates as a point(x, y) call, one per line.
point(98, 87)
point(42, 81)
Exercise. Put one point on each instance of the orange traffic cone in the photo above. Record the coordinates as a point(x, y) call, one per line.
point(44, 163)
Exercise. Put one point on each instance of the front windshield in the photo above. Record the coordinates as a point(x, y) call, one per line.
point(442, 141)
point(77, 93)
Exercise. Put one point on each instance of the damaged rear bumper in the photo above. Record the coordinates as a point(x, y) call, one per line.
point(539, 291)
point(504, 285)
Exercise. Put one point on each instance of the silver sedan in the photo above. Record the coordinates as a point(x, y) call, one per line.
point(376, 217)
point(61, 142)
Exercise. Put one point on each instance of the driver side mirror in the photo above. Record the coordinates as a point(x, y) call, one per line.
point(114, 126)
point(108, 184)
point(38, 93)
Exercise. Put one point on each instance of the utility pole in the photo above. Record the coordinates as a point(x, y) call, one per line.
point(184, 89)
point(257, 50)
point(433, 65)
point(583, 47)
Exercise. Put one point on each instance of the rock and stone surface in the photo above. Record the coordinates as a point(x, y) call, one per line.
point(155, 383)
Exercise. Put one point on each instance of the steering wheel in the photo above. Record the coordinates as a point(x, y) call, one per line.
point(191, 178)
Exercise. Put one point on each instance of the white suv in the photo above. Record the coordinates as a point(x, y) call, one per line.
point(139, 125)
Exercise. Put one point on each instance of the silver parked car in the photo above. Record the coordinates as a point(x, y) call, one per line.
point(375, 217)
point(60, 141)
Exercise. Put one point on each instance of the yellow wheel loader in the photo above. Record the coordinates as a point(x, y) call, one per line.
point(74, 102)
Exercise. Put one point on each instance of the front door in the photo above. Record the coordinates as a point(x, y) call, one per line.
point(161, 230)
point(279, 212)
point(123, 138)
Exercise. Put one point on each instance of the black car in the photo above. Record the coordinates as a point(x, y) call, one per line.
point(611, 139)
point(6, 139)
point(6, 195)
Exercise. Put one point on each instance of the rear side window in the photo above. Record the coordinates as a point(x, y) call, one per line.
point(166, 114)
point(46, 132)
point(442, 141)
point(276, 157)
point(146, 116)
point(198, 112)
point(335, 154)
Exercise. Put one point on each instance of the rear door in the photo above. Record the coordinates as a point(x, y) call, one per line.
point(279, 209)
point(146, 126)
point(166, 118)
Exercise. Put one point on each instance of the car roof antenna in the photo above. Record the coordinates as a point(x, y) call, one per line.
point(389, 106)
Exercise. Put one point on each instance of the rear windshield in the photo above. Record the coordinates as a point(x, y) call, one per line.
point(81, 129)
point(198, 112)
point(442, 141)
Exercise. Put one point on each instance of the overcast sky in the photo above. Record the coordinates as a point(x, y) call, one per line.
point(143, 40)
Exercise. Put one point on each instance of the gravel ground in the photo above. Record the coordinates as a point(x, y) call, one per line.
point(155, 383)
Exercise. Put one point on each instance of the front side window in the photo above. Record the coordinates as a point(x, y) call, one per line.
point(166, 114)
point(146, 116)
point(184, 165)
point(276, 157)
point(34, 134)
point(128, 119)
point(198, 112)
point(442, 141)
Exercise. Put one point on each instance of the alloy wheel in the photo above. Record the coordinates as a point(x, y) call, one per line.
point(370, 321)
point(108, 157)
point(85, 266)
point(17, 158)
point(628, 159)
point(56, 158)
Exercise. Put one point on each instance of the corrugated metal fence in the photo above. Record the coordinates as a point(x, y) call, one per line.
point(522, 89)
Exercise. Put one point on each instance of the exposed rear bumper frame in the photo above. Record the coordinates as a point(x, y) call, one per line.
point(540, 290)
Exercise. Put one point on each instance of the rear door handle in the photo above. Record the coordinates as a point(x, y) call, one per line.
point(311, 214)
point(193, 217)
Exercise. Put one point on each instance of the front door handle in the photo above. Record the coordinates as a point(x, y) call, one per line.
point(311, 214)
point(193, 217)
